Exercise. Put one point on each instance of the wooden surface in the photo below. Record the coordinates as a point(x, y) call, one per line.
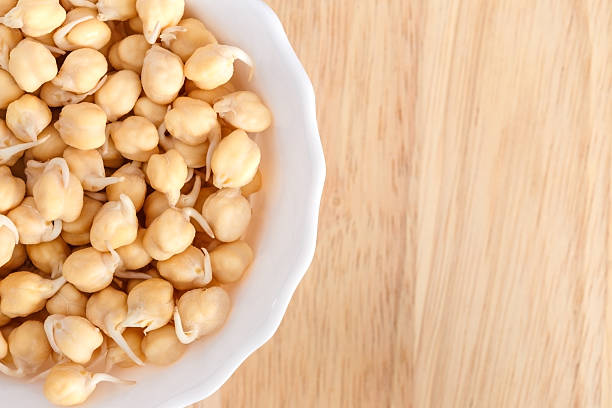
point(464, 234)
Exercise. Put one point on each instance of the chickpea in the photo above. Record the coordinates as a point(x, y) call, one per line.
point(133, 185)
point(194, 36)
point(28, 348)
point(12, 190)
point(129, 53)
point(107, 309)
point(200, 312)
point(81, 71)
point(67, 301)
point(35, 17)
point(194, 156)
point(58, 193)
point(167, 173)
point(213, 95)
point(119, 94)
point(155, 204)
point(72, 336)
point(52, 146)
point(82, 125)
point(110, 155)
point(229, 261)
point(148, 109)
point(9, 38)
point(77, 232)
point(116, 356)
point(172, 223)
point(228, 214)
point(203, 195)
point(116, 9)
point(32, 227)
point(82, 30)
point(157, 15)
point(162, 347)
point(27, 116)
point(88, 167)
point(71, 384)
point(136, 138)
point(115, 225)
point(3, 347)
point(135, 24)
point(49, 256)
point(190, 269)
point(10, 90)
point(11, 148)
point(90, 270)
point(213, 65)
point(31, 64)
point(162, 75)
point(9, 238)
point(23, 293)
point(191, 120)
point(134, 255)
point(235, 160)
point(244, 110)
point(54, 96)
point(253, 187)
point(150, 305)
point(18, 258)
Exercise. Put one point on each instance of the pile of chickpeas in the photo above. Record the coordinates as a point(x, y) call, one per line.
point(125, 170)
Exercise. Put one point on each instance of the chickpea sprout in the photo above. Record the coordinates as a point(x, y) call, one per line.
point(49, 256)
point(82, 125)
point(58, 193)
point(228, 213)
point(72, 336)
point(90, 270)
point(31, 64)
point(9, 238)
point(213, 65)
point(115, 225)
point(33, 228)
point(162, 347)
point(27, 116)
point(156, 15)
point(162, 75)
point(23, 293)
point(12, 190)
point(244, 110)
point(235, 160)
point(200, 312)
point(88, 167)
point(167, 173)
point(67, 301)
point(81, 71)
point(35, 17)
point(188, 270)
point(150, 305)
point(28, 348)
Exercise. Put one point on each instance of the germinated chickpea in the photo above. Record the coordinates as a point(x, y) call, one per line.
point(52, 146)
point(213, 65)
point(72, 336)
point(229, 261)
point(136, 138)
point(27, 116)
point(49, 256)
point(167, 173)
point(32, 226)
point(194, 36)
point(116, 9)
point(11, 148)
point(115, 356)
point(115, 225)
point(18, 258)
point(9, 38)
point(235, 160)
point(148, 109)
point(155, 204)
point(213, 95)
point(110, 155)
point(253, 187)
point(82, 125)
point(35, 17)
point(244, 110)
point(134, 256)
point(195, 156)
point(77, 232)
point(67, 301)
point(28, 348)
point(81, 71)
point(12, 190)
point(190, 269)
point(81, 29)
point(31, 64)
point(133, 185)
point(9, 238)
point(191, 121)
point(90, 270)
point(58, 193)
point(162, 347)
point(200, 312)
point(150, 305)
point(135, 25)
point(162, 75)
point(228, 214)
point(119, 94)
point(54, 96)
point(23, 293)
point(157, 15)
point(10, 90)
point(129, 53)
point(88, 167)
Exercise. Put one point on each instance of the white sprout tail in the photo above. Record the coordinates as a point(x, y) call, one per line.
point(54, 232)
point(183, 337)
point(49, 326)
point(207, 266)
point(99, 183)
point(189, 200)
point(132, 275)
point(167, 35)
point(214, 141)
point(103, 377)
point(13, 18)
point(115, 334)
point(199, 218)
point(8, 223)
point(59, 38)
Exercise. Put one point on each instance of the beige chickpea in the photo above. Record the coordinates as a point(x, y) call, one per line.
point(194, 36)
point(167, 173)
point(157, 15)
point(194, 156)
point(253, 187)
point(52, 146)
point(228, 213)
point(150, 305)
point(110, 155)
point(32, 226)
point(18, 258)
point(12, 190)
point(58, 193)
point(77, 232)
point(212, 95)
point(120, 10)
point(133, 185)
point(129, 53)
point(82, 125)
point(229, 261)
point(72, 336)
point(9, 38)
point(35, 17)
point(9, 238)
point(115, 356)
point(28, 348)
point(134, 255)
point(172, 223)
point(203, 195)
point(67, 301)
point(107, 309)
point(71, 384)
point(23, 293)
point(115, 225)
point(90, 270)
point(81, 71)
point(31, 64)
point(27, 116)
point(200, 312)
point(81, 29)
point(88, 167)
point(155, 204)
point(191, 120)
point(190, 269)
point(213, 65)
point(49, 256)
point(10, 90)
point(119, 94)
point(148, 109)
point(162, 75)
point(162, 347)
point(235, 160)
point(135, 24)
point(135, 137)
point(244, 110)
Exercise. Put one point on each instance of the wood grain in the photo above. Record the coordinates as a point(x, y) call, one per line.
point(464, 235)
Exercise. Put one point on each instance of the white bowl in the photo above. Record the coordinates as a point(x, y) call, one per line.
point(283, 232)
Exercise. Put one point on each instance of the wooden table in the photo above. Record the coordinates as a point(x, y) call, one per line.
point(464, 235)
